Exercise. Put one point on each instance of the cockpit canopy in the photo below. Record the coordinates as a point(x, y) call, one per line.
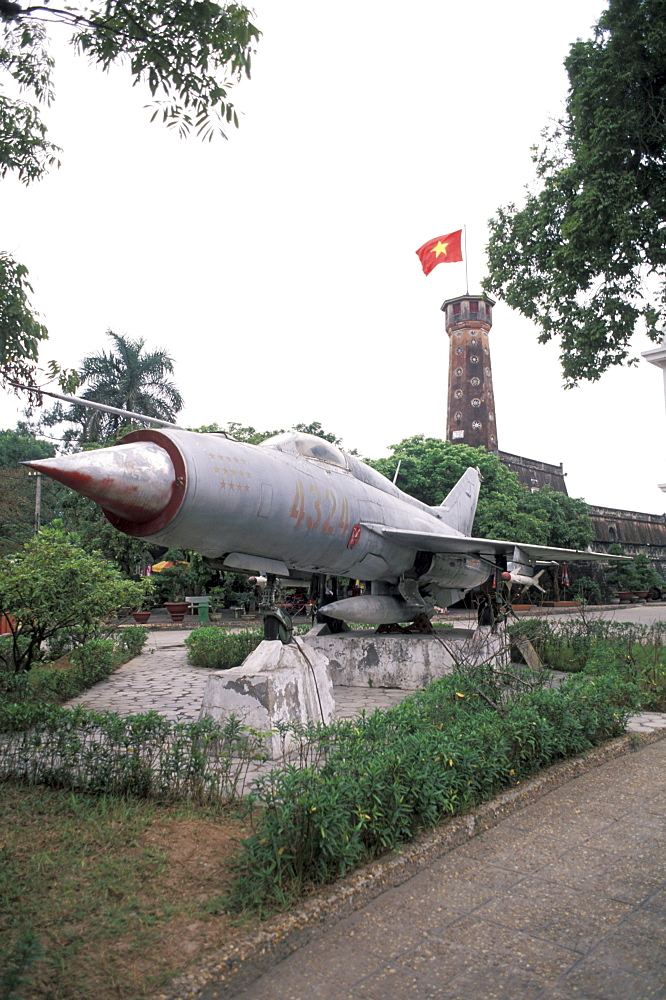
point(307, 446)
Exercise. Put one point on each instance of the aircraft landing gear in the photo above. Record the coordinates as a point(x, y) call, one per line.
point(277, 623)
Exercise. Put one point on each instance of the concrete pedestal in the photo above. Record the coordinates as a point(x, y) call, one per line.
point(409, 662)
point(274, 684)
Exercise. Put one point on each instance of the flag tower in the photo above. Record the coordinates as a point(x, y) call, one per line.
point(471, 403)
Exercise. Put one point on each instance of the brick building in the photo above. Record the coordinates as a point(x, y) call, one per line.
point(471, 420)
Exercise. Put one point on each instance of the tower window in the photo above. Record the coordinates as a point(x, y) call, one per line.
point(458, 393)
point(476, 402)
point(474, 359)
point(458, 371)
point(456, 309)
point(475, 381)
point(458, 415)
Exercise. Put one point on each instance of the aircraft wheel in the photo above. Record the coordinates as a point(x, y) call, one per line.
point(278, 626)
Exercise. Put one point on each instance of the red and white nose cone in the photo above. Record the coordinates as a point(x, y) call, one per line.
point(506, 576)
point(133, 481)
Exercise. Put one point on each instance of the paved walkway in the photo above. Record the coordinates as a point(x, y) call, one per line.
point(161, 680)
point(564, 900)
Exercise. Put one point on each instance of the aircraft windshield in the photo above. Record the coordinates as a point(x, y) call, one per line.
point(307, 446)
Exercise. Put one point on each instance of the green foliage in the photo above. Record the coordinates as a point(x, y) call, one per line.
point(144, 755)
point(249, 435)
point(587, 590)
point(91, 661)
point(568, 519)
point(24, 147)
point(20, 330)
point(635, 654)
point(53, 585)
point(85, 519)
point(431, 467)
point(126, 377)
point(188, 54)
point(584, 258)
point(375, 781)
point(209, 646)
point(636, 575)
point(21, 445)
point(17, 487)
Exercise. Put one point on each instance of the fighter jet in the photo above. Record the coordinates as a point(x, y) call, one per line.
point(296, 506)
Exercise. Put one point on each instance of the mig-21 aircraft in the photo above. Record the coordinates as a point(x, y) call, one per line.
point(297, 506)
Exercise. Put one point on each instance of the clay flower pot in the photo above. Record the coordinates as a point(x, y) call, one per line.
point(141, 617)
point(177, 609)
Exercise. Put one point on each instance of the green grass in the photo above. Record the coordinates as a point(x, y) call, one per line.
point(93, 900)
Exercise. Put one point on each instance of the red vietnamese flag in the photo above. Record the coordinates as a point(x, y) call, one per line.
point(441, 250)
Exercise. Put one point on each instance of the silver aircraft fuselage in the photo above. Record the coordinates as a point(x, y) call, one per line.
point(295, 505)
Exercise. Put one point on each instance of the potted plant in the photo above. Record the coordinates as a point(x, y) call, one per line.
point(177, 609)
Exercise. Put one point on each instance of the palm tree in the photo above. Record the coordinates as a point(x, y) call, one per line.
point(129, 379)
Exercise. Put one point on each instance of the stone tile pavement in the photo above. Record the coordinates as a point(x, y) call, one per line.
point(161, 680)
point(563, 900)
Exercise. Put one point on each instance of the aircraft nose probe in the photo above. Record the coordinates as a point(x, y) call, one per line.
point(134, 482)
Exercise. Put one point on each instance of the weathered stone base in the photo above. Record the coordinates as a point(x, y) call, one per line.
point(274, 684)
point(406, 661)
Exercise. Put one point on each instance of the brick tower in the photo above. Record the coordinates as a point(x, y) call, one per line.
point(471, 409)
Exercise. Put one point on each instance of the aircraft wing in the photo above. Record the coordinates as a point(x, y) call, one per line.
point(461, 545)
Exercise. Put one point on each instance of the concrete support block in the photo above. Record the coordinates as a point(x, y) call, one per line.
point(408, 662)
point(274, 684)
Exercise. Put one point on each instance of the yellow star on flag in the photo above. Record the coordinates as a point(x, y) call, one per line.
point(440, 248)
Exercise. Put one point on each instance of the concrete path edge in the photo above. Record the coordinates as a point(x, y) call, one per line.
point(231, 970)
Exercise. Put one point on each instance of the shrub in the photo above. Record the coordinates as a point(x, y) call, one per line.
point(54, 585)
point(382, 777)
point(209, 646)
point(145, 755)
point(89, 663)
point(587, 590)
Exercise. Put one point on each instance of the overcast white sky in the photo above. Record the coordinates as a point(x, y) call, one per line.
point(278, 268)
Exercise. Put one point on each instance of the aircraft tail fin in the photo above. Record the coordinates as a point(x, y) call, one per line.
point(459, 507)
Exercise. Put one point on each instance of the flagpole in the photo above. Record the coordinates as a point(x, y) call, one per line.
point(466, 277)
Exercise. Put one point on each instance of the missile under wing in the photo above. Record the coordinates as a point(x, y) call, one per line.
point(296, 505)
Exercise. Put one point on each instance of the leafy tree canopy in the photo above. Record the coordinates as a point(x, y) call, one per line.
point(52, 584)
point(584, 258)
point(20, 329)
point(430, 467)
point(187, 52)
point(21, 445)
point(126, 377)
point(250, 435)
point(17, 487)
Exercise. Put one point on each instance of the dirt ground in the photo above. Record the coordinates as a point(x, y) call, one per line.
point(109, 901)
